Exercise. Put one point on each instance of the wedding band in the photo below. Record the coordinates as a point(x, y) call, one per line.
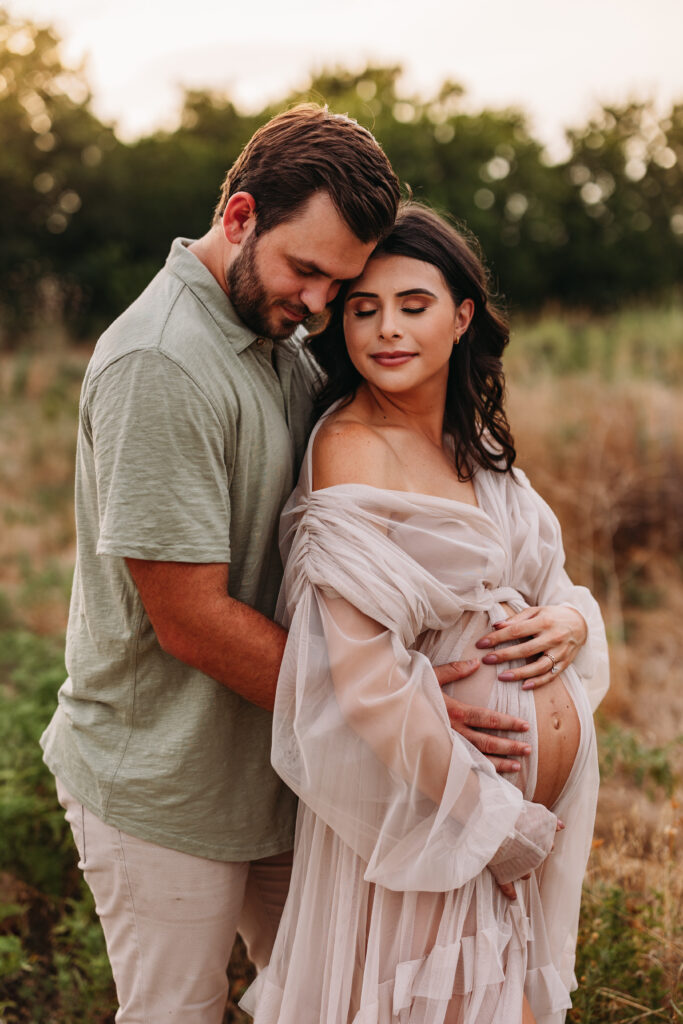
point(553, 669)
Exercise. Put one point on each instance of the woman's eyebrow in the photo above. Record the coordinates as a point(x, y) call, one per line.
point(400, 295)
point(416, 291)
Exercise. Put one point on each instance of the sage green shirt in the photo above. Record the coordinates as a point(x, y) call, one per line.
point(191, 431)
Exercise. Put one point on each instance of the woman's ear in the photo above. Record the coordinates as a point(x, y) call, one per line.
point(463, 318)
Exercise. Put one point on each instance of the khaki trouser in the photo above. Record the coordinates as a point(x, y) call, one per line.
point(170, 919)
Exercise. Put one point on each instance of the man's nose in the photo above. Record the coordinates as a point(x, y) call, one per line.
point(319, 295)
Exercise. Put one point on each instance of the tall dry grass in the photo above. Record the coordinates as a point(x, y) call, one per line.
point(605, 449)
point(609, 460)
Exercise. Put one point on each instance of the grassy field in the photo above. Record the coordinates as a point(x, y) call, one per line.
point(595, 407)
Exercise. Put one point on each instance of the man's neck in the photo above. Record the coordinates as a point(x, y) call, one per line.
point(210, 250)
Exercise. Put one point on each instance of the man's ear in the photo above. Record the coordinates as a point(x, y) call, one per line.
point(239, 217)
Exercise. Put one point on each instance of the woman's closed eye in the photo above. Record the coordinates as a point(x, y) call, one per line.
point(404, 309)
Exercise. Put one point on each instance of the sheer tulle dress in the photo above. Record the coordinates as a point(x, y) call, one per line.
point(394, 914)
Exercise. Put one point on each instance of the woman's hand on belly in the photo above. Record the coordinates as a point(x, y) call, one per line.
point(549, 638)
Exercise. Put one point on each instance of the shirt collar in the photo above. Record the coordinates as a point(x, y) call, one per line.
point(206, 289)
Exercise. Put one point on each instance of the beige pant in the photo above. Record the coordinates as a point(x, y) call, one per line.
point(170, 919)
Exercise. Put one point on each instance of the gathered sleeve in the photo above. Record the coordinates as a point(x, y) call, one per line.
point(361, 732)
point(538, 573)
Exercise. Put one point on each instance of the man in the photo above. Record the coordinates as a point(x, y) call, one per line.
point(194, 415)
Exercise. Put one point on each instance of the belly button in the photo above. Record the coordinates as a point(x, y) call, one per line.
point(555, 719)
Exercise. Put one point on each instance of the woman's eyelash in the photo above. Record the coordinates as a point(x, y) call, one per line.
point(404, 309)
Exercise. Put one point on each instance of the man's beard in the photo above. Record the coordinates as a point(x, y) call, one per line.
point(249, 297)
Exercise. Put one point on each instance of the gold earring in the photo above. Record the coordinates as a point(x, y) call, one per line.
point(456, 340)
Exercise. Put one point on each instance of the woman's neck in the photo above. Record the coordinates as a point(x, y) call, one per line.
point(421, 413)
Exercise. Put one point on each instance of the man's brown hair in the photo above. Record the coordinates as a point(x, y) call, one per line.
point(306, 150)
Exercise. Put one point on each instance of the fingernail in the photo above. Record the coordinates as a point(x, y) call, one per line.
point(528, 685)
point(490, 659)
point(527, 750)
point(560, 825)
point(506, 677)
point(515, 766)
point(483, 643)
point(499, 625)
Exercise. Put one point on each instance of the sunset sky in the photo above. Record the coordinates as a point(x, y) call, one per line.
point(555, 60)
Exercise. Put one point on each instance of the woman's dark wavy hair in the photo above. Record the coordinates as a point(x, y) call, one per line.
point(474, 415)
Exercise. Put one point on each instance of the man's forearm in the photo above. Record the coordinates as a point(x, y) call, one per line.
point(237, 646)
point(197, 621)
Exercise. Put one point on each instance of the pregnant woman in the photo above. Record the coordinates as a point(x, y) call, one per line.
point(409, 537)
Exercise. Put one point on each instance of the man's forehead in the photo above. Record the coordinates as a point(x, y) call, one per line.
point(320, 241)
point(339, 268)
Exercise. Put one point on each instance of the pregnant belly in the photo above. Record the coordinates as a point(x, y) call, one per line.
point(558, 736)
point(558, 730)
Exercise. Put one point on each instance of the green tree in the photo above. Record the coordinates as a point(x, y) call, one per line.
point(51, 151)
point(623, 206)
point(87, 220)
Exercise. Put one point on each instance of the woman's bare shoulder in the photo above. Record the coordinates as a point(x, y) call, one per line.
point(347, 450)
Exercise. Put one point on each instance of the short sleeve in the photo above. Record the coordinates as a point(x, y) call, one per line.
point(162, 462)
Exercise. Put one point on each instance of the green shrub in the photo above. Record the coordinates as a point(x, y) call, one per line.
point(35, 847)
point(53, 963)
point(648, 767)
point(618, 964)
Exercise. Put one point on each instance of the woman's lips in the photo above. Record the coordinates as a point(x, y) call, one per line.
point(393, 358)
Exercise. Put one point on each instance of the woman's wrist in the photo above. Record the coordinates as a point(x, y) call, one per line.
point(527, 846)
point(582, 626)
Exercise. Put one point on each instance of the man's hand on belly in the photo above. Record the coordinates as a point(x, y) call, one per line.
point(469, 720)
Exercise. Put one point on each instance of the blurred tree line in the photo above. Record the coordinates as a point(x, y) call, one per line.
point(87, 220)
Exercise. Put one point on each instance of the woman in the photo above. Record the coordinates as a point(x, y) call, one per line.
point(408, 537)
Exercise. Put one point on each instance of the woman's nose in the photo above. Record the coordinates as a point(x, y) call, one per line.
point(388, 327)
